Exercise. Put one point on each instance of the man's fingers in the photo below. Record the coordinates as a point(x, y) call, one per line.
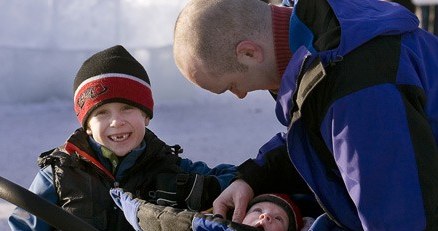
point(236, 195)
point(239, 211)
point(220, 209)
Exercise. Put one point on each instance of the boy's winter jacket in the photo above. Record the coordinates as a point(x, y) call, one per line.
point(359, 98)
point(78, 178)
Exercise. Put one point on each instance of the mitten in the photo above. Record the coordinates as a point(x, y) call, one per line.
point(164, 218)
point(198, 191)
point(128, 205)
point(165, 193)
point(186, 190)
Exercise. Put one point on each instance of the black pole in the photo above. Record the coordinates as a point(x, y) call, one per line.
point(50, 213)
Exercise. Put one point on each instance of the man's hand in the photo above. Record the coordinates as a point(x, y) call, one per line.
point(236, 196)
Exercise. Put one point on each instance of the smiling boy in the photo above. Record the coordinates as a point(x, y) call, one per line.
point(113, 148)
point(118, 127)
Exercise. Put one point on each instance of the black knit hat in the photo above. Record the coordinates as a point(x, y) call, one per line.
point(284, 201)
point(111, 75)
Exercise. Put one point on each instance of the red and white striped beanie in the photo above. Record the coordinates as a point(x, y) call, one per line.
point(111, 75)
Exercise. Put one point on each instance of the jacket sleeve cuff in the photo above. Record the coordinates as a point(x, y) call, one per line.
point(253, 174)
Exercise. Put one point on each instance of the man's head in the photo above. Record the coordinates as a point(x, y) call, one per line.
point(273, 212)
point(223, 45)
point(111, 75)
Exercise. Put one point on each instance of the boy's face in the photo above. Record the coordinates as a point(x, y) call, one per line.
point(268, 216)
point(118, 126)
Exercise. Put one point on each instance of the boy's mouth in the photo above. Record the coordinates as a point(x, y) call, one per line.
point(119, 137)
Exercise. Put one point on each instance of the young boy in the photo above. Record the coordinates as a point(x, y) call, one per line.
point(113, 148)
point(268, 212)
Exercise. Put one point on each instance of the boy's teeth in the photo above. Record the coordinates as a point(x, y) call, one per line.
point(119, 137)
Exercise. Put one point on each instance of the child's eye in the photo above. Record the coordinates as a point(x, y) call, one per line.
point(100, 112)
point(127, 107)
point(279, 218)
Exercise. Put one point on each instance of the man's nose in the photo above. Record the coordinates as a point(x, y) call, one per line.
point(239, 94)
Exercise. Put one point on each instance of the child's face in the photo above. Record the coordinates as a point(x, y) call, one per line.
point(118, 126)
point(267, 215)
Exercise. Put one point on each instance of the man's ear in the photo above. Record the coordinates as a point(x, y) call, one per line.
point(248, 51)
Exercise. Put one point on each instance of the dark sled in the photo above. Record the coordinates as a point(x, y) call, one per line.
point(50, 213)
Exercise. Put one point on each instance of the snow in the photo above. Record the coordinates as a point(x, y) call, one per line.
point(41, 52)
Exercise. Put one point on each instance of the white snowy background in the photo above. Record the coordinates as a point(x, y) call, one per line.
point(44, 42)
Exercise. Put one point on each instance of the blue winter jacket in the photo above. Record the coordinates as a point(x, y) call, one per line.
point(43, 183)
point(359, 99)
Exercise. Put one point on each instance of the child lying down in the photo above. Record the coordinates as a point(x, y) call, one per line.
point(268, 212)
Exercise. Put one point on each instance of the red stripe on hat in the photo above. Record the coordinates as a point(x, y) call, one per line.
point(110, 87)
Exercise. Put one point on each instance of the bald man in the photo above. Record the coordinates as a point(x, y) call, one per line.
point(355, 87)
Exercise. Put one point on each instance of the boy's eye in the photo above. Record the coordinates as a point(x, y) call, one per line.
point(279, 218)
point(100, 112)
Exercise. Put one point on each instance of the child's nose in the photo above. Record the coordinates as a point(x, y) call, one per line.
point(265, 216)
point(117, 121)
